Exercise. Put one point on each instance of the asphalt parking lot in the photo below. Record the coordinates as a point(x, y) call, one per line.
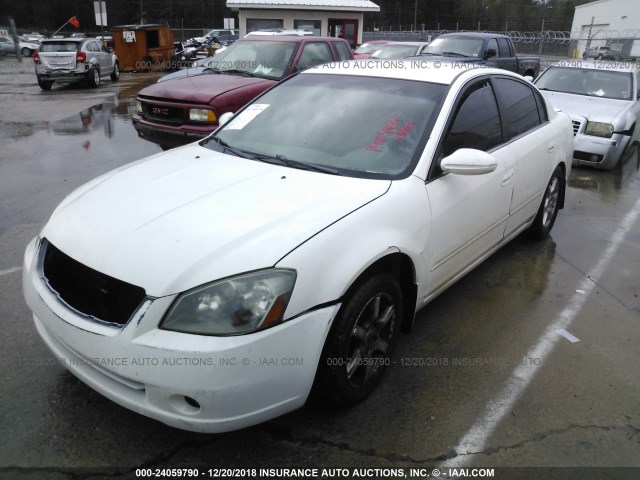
point(529, 361)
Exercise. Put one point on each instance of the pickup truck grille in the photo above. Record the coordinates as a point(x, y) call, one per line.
point(162, 113)
point(88, 291)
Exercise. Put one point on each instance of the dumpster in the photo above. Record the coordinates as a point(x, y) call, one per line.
point(143, 47)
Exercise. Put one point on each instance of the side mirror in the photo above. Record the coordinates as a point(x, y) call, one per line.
point(490, 53)
point(224, 118)
point(468, 161)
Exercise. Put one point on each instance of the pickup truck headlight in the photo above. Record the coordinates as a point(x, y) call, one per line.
point(598, 129)
point(138, 106)
point(202, 115)
point(233, 306)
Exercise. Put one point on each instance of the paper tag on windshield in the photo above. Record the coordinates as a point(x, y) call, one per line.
point(248, 114)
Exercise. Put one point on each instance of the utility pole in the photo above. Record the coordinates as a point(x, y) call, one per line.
point(415, 15)
point(589, 38)
point(141, 19)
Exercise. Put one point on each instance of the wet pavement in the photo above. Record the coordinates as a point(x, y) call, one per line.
point(479, 383)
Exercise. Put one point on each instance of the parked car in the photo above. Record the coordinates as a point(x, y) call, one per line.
point(188, 105)
point(399, 50)
point(366, 49)
point(74, 59)
point(35, 36)
point(26, 48)
point(603, 105)
point(224, 36)
point(488, 49)
point(600, 53)
point(212, 286)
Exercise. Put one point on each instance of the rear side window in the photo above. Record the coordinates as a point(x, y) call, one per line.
point(314, 53)
point(343, 50)
point(476, 123)
point(503, 45)
point(61, 46)
point(518, 105)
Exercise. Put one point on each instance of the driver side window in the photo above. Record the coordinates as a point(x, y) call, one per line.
point(476, 122)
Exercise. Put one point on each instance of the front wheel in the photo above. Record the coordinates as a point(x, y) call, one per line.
point(93, 77)
point(25, 52)
point(360, 344)
point(548, 210)
point(115, 75)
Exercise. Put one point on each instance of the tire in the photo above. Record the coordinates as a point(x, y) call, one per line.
point(359, 346)
point(115, 75)
point(25, 52)
point(548, 211)
point(600, 57)
point(45, 84)
point(93, 77)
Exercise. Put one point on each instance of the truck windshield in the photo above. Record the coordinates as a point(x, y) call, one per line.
point(587, 81)
point(455, 47)
point(263, 59)
point(344, 124)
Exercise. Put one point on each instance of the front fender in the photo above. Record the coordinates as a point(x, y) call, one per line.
point(331, 261)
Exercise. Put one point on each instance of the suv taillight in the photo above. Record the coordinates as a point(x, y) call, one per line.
point(81, 57)
point(36, 57)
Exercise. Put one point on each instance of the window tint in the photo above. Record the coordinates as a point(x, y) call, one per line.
point(476, 123)
point(492, 44)
point(519, 106)
point(503, 45)
point(314, 54)
point(344, 52)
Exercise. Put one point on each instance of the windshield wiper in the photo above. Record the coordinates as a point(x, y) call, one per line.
point(282, 160)
point(227, 148)
point(241, 72)
point(454, 54)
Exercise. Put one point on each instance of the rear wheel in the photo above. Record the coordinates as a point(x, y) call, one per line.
point(548, 210)
point(45, 84)
point(360, 344)
point(25, 52)
point(115, 75)
point(93, 77)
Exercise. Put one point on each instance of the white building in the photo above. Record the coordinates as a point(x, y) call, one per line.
point(615, 23)
point(334, 18)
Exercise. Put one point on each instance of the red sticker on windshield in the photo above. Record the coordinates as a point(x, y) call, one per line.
point(391, 126)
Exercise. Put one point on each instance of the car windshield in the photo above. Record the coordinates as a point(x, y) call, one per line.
point(368, 48)
point(394, 50)
point(587, 81)
point(455, 47)
point(349, 125)
point(58, 47)
point(263, 59)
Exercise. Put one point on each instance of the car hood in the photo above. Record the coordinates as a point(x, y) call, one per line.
point(200, 88)
point(185, 72)
point(595, 109)
point(190, 216)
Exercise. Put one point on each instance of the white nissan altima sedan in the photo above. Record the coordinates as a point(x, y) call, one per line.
point(213, 286)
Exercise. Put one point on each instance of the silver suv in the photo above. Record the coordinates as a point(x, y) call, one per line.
point(68, 60)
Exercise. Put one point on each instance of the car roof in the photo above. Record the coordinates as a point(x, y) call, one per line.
point(413, 68)
point(473, 35)
point(407, 43)
point(287, 38)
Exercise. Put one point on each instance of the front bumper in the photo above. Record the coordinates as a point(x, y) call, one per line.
point(169, 136)
point(599, 152)
point(192, 382)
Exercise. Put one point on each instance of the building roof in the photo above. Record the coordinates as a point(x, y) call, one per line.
point(345, 5)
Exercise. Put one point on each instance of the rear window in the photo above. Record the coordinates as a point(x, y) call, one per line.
point(60, 46)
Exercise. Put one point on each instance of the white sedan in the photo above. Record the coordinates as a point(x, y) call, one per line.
point(212, 286)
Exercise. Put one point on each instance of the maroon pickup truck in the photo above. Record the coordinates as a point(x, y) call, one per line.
point(187, 107)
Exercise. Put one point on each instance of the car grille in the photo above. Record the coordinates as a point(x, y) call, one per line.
point(163, 114)
point(587, 157)
point(576, 126)
point(88, 291)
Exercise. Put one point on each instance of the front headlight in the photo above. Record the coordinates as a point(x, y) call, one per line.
point(599, 129)
point(233, 306)
point(202, 115)
point(138, 106)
